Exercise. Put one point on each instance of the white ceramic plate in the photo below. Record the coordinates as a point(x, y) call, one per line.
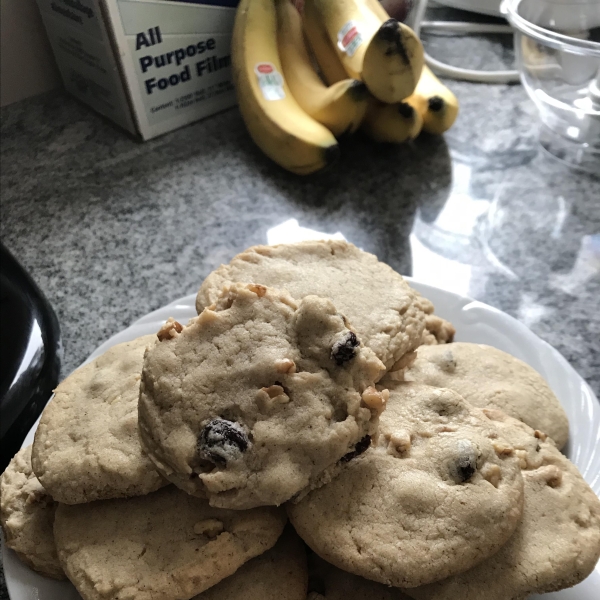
point(475, 322)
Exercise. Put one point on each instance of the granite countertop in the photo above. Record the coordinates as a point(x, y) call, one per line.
point(111, 228)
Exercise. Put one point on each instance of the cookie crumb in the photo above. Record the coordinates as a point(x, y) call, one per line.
point(540, 435)
point(169, 330)
point(211, 528)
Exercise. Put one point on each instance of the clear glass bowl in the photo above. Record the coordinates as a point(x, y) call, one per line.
point(557, 46)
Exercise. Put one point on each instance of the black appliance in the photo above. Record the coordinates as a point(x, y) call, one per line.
point(30, 354)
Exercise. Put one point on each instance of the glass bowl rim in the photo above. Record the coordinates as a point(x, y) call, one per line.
point(510, 9)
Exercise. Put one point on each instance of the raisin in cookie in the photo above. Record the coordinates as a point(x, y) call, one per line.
point(327, 582)
point(278, 574)
point(557, 543)
point(86, 446)
point(166, 544)
point(487, 377)
point(256, 397)
point(27, 516)
point(435, 494)
point(384, 311)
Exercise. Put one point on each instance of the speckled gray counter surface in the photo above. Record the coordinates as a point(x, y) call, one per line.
point(111, 228)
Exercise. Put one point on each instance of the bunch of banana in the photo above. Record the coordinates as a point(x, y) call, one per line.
point(372, 67)
point(275, 120)
point(388, 120)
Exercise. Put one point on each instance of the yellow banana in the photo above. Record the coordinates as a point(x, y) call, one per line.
point(435, 103)
point(325, 54)
point(340, 107)
point(392, 123)
point(275, 121)
point(385, 54)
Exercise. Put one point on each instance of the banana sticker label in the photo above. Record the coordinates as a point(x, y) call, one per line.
point(349, 38)
point(270, 81)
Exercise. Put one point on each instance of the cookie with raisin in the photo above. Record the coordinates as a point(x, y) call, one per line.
point(386, 313)
point(437, 492)
point(557, 542)
point(258, 397)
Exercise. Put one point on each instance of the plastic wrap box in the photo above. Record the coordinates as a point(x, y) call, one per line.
point(148, 65)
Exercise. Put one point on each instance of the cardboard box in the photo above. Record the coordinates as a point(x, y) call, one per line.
point(148, 65)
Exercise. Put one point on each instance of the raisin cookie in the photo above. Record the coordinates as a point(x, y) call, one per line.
point(385, 312)
point(27, 516)
point(557, 543)
point(487, 377)
point(86, 446)
point(166, 544)
point(278, 574)
point(435, 494)
point(256, 397)
point(327, 582)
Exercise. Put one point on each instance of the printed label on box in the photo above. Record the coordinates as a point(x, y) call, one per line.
point(176, 73)
point(181, 61)
point(159, 63)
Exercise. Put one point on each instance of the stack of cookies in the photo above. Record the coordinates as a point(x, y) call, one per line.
point(315, 387)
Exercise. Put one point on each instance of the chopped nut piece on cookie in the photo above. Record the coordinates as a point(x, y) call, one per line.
point(399, 442)
point(169, 330)
point(211, 528)
point(285, 365)
point(375, 399)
